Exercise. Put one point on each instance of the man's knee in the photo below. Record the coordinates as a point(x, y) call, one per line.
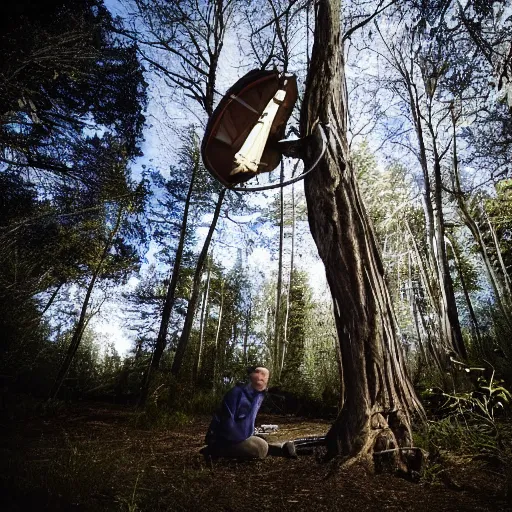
point(252, 448)
point(260, 447)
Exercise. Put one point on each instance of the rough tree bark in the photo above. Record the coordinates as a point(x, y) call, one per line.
point(379, 398)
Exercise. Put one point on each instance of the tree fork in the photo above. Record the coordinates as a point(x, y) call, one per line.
point(379, 397)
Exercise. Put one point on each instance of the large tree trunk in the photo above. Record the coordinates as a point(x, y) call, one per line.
point(196, 285)
point(379, 398)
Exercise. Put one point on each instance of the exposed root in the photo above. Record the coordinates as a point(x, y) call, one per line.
point(384, 444)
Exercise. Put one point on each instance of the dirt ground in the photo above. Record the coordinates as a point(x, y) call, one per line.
point(94, 457)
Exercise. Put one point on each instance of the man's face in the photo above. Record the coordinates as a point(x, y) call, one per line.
point(259, 379)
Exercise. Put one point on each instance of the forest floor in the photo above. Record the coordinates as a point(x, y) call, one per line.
point(95, 457)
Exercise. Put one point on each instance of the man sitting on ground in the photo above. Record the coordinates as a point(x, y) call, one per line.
point(231, 432)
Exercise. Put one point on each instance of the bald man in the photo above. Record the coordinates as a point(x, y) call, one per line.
point(231, 431)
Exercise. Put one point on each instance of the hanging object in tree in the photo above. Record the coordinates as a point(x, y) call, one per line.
point(241, 138)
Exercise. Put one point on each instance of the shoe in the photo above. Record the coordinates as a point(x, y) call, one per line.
point(289, 450)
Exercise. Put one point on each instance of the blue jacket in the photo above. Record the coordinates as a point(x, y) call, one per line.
point(234, 422)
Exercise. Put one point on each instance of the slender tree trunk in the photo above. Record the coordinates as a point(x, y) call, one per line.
point(431, 332)
point(246, 334)
point(197, 363)
point(422, 268)
point(414, 312)
point(277, 325)
point(446, 308)
point(484, 253)
point(52, 298)
point(216, 359)
point(290, 284)
point(161, 340)
point(138, 349)
point(82, 321)
point(482, 249)
point(426, 198)
point(379, 397)
point(187, 328)
point(471, 224)
point(492, 231)
point(471, 311)
point(231, 346)
point(450, 315)
point(269, 334)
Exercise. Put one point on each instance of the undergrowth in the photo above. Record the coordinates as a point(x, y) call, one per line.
point(472, 424)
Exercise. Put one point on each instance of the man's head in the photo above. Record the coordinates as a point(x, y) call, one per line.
point(259, 378)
